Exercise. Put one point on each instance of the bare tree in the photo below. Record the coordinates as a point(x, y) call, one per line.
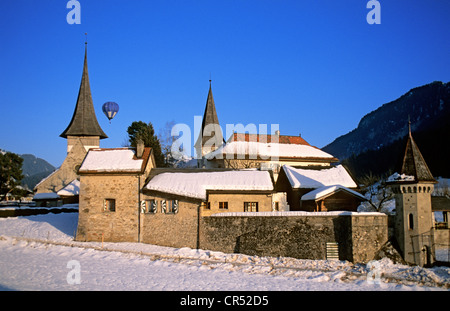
point(376, 191)
point(241, 163)
point(166, 139)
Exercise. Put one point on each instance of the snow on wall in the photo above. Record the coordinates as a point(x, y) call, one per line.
point(308, 178)
point(400, 177)
point(195, 185)
point(113, 160)
point(297, 213)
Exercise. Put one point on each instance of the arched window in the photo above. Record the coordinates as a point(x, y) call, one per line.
point(411, 222)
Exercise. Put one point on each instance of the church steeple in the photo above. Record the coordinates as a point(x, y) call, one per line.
point(84, 122)
point(210, 137)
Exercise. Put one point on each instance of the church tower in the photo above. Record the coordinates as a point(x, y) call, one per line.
point(413, 220)
point(83, 133)
point(210, 137)
point(84, 126)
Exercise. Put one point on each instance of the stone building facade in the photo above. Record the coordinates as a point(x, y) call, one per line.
point(181, 210)
point(110, 183)
point(414, 225)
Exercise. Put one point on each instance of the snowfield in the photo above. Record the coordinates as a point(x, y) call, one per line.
point(38, 253)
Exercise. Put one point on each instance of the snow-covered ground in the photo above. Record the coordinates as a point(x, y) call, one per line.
point(38, 253)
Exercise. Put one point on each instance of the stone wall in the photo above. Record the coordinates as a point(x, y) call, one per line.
point(369, 234)
point(359, 237)
point(170, 229)
point(94, 221)
point(442, 238)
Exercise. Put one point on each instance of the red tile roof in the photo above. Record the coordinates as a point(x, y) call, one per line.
point(282, 139)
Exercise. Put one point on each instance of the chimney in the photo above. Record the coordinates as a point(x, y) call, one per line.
point(139, 148)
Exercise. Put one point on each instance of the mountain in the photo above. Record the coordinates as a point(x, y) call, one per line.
point(34, 169)
point(377, 144)
point(33, 165)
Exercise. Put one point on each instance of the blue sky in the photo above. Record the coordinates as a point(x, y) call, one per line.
point(314, 67)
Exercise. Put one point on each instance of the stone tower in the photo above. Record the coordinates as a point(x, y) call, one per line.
point(413, 221)
point(82, 133)
point(210, 137)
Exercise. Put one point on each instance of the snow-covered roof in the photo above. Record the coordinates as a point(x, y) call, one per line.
point(327, 190)
point(231, 150)
point(312, 178)
point(111, 160)
point(71, 189)
point(195, 185)
point(46, 196)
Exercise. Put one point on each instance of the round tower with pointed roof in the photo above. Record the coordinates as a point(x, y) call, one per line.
point(413, 220)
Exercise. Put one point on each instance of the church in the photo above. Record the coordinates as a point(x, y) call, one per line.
point(263, 194)
point(82, 133)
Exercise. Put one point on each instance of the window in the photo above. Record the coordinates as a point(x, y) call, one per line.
point(163, 206)
point(109, 205)
point(206, 205)
point(250, 206)
point(169, 206)
point(411, 222)
point(151, 206)
point(173, 207)
point(223, 205)
point(275, 206)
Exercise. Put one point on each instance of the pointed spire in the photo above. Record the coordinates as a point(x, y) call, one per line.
point(84, 122)
point(414, 163)
point(409, 126)
point(210, 123)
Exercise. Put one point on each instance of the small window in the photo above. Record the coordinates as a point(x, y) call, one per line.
point(276, 206)
point(411, 222)
point(109, 205)
point(206, 205)
point(151, 206)
point(169, 206)
point(250, 206)
point(223, 205)
point(173, 207)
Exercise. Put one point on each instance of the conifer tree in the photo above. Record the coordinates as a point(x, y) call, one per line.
point(10, 172)
point(141, 130)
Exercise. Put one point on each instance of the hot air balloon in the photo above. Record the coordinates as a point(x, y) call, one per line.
point(110, 109)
